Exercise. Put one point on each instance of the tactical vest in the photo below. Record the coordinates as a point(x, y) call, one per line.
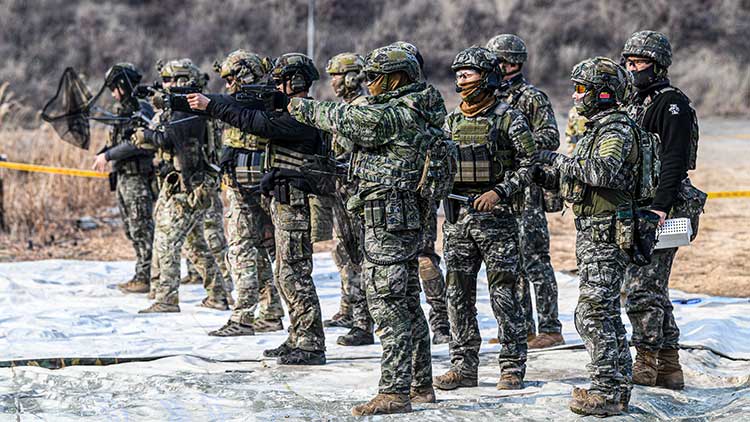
point(483, 152)
point(249, 157)
point(638, 113)
point(318, 170)
point(120, 134)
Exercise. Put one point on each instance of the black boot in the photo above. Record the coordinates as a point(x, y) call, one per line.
point(302, 357)
point(282, 350)
point(356, 337)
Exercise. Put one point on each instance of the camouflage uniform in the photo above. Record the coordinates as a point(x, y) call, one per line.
point(574, 129)
point(490, 237)
point(597, 179)
point(385, 131)
point(532, 221)
point(321, 218)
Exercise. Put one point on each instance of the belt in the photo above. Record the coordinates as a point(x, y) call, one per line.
point(584, 223)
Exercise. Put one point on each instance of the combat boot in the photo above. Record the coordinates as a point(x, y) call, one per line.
point(158, 307)
point(452, 380)
point(425, 394)
point(356, 337)
point(209, 302)
point(339, 320)
point(545, 340)
point(233, 329)
point(267, 325)
point(625, 401)
point(587, 403)
point(302, 357)
point(134, 286)
point(669, 373)
point(441, 336)
point(645, 367)
point(152, 294)
point(510, 381)
point(191, 279)
point(282, 350)
point(384, 404)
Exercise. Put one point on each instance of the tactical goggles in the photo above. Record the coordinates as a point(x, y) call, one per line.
point(174, 79)
point(579, 88)
point(466, 74)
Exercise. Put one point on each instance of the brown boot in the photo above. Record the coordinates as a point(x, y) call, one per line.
point(644, 367)
point(545, 340)
point(158, 307)
point(267, 325)
point(452, 380)
point(669, 373)
point(218, 304)
point(425, 394)
point(586, 403)
point(383, 404)
point(134, 286)
point(510, 381)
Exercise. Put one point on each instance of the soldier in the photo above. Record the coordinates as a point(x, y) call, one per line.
point(402, 118)
point(132, 174)
point(574, 129)
point(430, 273)
point(664, 110)
point(186, 193)
point(532, 222)
point(346, 71)
point(293, 148)
point(599, 178)
point(242, 157)
point(495, 146)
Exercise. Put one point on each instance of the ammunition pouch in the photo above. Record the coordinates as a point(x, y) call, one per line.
point(399, 211)
point(451, 207)
point(553, 201)
point(281, 193)
point(313, 174)
point(249, 167)
point(475, 165)
point(572, 190)
point(602, 227)
point(636, 233)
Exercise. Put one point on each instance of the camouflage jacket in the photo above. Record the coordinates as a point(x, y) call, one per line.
point(535, 105)
point(390, 133)
point(513, 146)
point(601, 173)
point(575, 128)
point(342, 147)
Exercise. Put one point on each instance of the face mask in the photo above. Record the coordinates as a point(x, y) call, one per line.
point(469, 90)
point(644, 78)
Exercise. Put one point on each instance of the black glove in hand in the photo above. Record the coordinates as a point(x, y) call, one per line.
point(538, 176)
point(545, 156)
point(267, 182)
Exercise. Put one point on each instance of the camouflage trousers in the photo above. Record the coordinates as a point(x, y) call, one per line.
point(536, 268)
point(390, 274)
point(648, 305)
point(135, 200)
point(492, 238)
point(248, 258)
point(213, 232)
point(353, 296)
point(430, 274)
point(601, 268)
point(179, 221)
point(293, 271)
point(321, 218)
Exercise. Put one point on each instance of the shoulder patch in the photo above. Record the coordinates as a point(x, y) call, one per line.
point(674, 108)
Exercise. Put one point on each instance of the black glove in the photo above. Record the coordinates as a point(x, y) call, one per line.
point(545, 156)
point(280, 101)
point(267, 182)
point(226, 161)
point(538, 176)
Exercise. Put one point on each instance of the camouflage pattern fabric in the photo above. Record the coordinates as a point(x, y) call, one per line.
point(431, 275)
point(321, 218)
point(386, 129)
point(293, 271)
point(532, 221)
point(249, 260)
point(648, 305)
point(574, 129)
point(179, 221)
point(135, 200)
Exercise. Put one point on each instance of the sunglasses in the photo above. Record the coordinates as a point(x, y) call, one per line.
point(579, 89)
point(173, 78)
point(465, 75)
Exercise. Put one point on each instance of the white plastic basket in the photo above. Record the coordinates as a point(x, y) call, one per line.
point(674, 233)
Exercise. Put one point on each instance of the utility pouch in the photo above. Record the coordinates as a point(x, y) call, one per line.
point(297, 198)
point(374, 213)
point(552, 200)
point(401, 212)
point(451, 207)
point(112, 181)
point(625, 228)
point(646, 223)
point(602, 229)
point(689, 204)
point(281, 192)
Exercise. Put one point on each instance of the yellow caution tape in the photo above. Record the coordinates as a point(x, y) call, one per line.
point(731, 194)
point(53, 170)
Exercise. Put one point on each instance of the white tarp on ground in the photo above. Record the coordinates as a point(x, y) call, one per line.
point(61, 308)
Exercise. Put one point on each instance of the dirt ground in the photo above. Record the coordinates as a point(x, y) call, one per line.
point(717, 263)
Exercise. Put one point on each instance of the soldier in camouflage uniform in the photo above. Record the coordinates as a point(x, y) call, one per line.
point(536, 268)
point(495, 145)
point(132, 174)
point(599, 178)
point(664, 110)
point(242, 158)
point(347, 75)
point(293, 151)
point(574, 129)
point(403, 116)
point(186, 193)
point(430, 273)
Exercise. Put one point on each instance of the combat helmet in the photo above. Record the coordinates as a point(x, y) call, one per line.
point(245, 67)
point(183, 71)
point(482, 60)
point(296, 68)
point(509, 48)
point(124, 76)
point(651, 45)
point(606, 84)
point(351, 65)
point(411, 48)
point(392, 59)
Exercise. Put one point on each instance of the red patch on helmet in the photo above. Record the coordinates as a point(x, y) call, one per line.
point(604, 96)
